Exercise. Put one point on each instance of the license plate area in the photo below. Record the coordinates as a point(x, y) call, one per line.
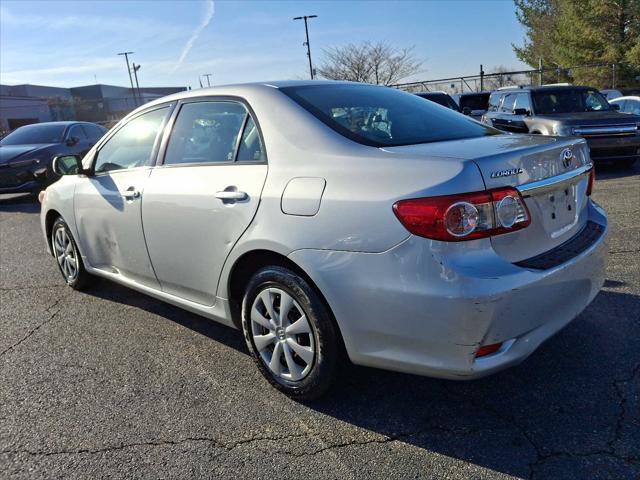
point(559, 209)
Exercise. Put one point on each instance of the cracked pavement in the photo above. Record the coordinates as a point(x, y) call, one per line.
point(111, 383)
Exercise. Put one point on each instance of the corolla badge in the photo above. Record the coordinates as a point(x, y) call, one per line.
point(506, 173)
point(567, 157)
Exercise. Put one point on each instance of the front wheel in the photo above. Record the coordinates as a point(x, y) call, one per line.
point(290, 333)
point(68, 256)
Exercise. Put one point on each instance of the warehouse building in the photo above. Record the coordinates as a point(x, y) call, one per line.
point(105, 104)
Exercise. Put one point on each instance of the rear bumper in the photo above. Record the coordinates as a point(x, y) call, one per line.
point(614, 148)
point(425, 307)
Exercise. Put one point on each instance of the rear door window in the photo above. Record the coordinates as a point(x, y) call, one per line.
point(250, 149)
point(94, 132)
point(207, 132)
point(77, 132)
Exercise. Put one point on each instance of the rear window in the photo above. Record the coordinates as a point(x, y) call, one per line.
point(383, 117)
point(441, 99)
point(475, 102)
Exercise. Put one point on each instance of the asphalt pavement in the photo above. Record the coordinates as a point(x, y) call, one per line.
point(112, 383)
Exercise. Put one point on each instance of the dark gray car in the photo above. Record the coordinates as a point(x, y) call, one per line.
point(27, 152)
point(568, 110)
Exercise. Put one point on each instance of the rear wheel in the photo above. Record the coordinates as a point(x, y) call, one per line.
point(68, 256)
point(290, 333)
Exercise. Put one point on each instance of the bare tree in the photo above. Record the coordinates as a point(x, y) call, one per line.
point(378, 63)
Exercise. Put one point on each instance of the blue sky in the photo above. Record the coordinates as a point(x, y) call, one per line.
point(75, 43)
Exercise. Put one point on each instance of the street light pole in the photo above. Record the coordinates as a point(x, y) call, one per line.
point(135, 74)
point(308, 45)
point(126, 57)
point(207, 75)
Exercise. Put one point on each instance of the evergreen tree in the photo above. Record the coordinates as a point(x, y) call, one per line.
point(577, 34)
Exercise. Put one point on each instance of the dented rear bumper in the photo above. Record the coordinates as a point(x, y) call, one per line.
point(425, 307)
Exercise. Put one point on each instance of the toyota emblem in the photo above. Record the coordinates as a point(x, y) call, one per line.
point(567, 157)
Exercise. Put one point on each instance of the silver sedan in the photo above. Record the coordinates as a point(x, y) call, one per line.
point(332, 221)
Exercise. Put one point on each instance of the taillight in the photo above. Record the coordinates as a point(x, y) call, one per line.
point(592, 177)
point(468, 216)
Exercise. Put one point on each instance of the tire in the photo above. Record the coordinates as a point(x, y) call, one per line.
point(67, 255)
point(307, 352)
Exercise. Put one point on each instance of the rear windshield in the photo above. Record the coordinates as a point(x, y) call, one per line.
point(383, 117)
point(441, 99)
point(35, 134)
point(568, 101)
point(475, 102)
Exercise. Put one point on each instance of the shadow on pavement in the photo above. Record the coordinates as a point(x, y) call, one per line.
point(114, 292)
point(562, 402)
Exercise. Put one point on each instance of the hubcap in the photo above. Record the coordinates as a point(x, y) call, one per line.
point(282, 334)
point(65, 254)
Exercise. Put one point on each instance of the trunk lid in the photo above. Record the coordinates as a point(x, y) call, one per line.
point(552, 182)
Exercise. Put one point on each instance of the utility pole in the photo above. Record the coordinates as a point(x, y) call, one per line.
point(307, 44)
point(540, 71)
point(207, 75)
point(126, 57)
point(481, 78)
point(135, 74)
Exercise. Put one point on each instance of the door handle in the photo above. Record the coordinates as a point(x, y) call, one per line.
point(231, 195)
point(131, 193)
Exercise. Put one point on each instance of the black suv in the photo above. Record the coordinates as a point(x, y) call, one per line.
point(568, 110)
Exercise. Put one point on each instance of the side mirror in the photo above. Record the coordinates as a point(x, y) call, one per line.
point(615, 106)
point(71, 141)
point(67, 165)
point(466, 110)
point(520, 111)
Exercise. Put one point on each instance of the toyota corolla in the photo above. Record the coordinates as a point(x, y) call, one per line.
point(324, 219)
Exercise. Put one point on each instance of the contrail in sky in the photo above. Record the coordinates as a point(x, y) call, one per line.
point(196, 33)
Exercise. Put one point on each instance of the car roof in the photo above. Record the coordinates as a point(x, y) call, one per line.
point(543, 88)
point(243, 88)
point(627, 97)
point(65, 123)
point(468, 94)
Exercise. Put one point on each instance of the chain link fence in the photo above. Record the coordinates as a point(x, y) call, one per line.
point(617, 75)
